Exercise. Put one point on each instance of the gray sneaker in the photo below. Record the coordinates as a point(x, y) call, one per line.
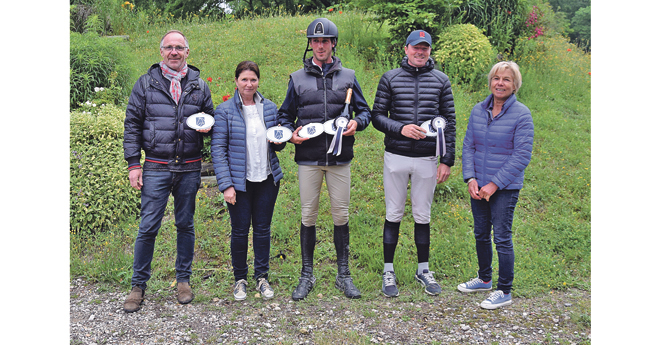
point(389, 284)
point(264, 288)
point(240, 290)
point(431, 287)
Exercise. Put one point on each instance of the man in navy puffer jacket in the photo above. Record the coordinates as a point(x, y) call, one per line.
point(155, 123)
point(406, 98)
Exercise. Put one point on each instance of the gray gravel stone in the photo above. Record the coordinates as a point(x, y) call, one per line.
point(96, 317)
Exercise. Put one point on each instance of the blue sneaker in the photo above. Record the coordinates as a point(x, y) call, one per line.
point(475, 284)
point(389, 284)
point(430, 285)
point(496, 299)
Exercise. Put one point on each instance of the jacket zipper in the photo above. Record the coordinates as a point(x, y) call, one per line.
point(415, 108)
point(325, 115)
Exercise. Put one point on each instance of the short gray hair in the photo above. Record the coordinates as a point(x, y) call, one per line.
point(174, 31)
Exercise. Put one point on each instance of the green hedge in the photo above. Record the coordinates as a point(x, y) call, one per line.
point(100, 193)
point(464, 54)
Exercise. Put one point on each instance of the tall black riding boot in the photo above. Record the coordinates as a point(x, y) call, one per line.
point(344, 282)
point(307, 280)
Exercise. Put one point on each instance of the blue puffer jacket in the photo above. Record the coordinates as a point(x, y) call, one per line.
point(156, 124)
point(498, 149)
point(228, 146)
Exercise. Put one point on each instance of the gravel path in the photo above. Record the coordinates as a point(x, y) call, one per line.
point(97, 317)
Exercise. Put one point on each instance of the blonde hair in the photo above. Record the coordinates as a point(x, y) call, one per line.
point(504, 65)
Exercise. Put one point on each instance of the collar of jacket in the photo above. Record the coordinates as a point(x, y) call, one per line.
point(310, 67)
point(430, 64)
point(486, 104)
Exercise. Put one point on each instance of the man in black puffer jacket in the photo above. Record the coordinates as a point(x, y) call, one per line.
point(317, 94)
point(406, 98)
point(160, 103)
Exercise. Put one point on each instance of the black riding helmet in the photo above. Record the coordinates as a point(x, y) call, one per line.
point(321, 27)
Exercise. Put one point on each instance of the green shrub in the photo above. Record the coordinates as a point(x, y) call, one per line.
point(100, 193)
point(464, 54)
point(405, 16)
point(500, 20)
point(96, 62)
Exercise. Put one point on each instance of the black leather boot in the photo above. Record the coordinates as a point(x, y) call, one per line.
point(344, 282)
point(307, 280)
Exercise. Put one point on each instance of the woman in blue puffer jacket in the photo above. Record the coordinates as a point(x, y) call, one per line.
point(248, 173)
point(496, 150)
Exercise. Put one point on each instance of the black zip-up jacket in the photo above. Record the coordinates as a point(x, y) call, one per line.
point(408, 95)
point(316, 96)
point(156, 124)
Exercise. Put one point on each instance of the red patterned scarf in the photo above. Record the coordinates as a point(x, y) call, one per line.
point(175, 79)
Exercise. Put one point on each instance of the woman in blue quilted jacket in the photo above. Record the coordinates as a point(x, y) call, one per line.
point(496, 150)
point(248, 173)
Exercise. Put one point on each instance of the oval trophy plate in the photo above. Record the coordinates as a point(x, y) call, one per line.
point(428, 127)
point(200, 121)
point(278, 134)
point(311, 130)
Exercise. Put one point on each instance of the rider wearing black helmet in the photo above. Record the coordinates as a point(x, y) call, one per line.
point(316, 94)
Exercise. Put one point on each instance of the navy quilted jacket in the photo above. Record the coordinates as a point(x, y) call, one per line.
point(408, 95)
point(498, 149)
point(228, 146)
point(156, 124)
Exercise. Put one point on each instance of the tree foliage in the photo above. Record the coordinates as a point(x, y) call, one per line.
point(500, 20)
point(581, 24)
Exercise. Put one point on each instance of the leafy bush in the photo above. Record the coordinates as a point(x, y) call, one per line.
point(96, 62)
point(500, 20)
point(406, 16)
point(464, 53)
point(111, 17)
point(100, 193)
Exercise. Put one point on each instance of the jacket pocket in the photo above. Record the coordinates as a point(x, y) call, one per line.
point(152, 135)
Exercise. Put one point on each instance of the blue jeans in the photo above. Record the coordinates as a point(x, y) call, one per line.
point(495, 215)
point(254, 206)
point(156, 189)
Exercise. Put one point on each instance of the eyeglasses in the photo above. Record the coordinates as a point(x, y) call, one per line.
point(169, 48)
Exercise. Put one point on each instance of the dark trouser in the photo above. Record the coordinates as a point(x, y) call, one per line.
point(156, 189)
point(495, 215)
point(254, 206)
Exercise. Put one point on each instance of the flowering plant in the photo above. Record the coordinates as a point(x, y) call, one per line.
point(225, 97)
point(127, 5)
point(533, 22)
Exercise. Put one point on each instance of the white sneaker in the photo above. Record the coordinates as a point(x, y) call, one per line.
point(240, 290)
point(264, 288)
